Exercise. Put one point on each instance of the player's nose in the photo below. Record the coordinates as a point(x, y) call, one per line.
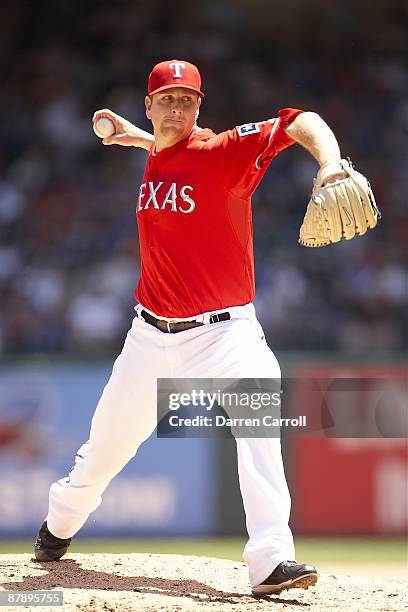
point(177, 107)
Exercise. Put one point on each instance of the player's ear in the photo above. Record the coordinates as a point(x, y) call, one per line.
point(148, 105)
point(198, 107)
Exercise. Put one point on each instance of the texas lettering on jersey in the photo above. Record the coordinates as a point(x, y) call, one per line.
point(195, 220)
point(169, 196)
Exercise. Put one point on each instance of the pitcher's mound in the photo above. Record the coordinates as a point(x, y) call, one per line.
point(95, 582)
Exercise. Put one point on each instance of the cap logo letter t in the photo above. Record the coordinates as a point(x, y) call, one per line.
point(177, 69)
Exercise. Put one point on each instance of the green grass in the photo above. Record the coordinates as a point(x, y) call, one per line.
point(313, 550)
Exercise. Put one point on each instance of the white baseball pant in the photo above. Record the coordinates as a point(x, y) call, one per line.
point(126, 415)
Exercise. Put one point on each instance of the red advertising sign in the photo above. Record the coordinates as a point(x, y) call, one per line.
point(350, 485)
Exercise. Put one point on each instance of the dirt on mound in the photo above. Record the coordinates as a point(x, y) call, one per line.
point(96, 582)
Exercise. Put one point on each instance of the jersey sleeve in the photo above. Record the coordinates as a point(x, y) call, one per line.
point(248, 150)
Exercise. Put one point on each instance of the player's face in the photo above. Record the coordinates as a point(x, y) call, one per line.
point(173, 113)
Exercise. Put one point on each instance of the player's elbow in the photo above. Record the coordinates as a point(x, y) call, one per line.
point(307, 123)
point(311, 115)
point(307, 118)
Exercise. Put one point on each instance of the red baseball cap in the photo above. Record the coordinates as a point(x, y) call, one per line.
point(174, 73)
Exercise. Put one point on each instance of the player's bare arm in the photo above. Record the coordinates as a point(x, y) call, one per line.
point(312, 133)
point(126, 134)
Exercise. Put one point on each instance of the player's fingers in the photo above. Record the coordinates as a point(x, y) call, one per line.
point(110, 140)
point(114, 139)
point(104, 112)
point(97, 115)
point(122, 139)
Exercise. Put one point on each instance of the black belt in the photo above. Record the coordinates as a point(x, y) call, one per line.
point(174, 328)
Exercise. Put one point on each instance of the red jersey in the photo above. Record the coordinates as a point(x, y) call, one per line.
point(195, 220)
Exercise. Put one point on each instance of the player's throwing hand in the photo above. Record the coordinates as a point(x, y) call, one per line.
point(126, 134)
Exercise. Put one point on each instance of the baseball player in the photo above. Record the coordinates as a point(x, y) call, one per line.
point(194, 313)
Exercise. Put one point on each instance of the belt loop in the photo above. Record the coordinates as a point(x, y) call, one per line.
point(206, 318)
point(139, 309)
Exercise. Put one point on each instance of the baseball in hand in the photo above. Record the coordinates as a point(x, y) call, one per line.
point(104, 127)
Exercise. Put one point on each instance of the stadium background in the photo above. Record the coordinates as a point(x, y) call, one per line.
point(69, 255)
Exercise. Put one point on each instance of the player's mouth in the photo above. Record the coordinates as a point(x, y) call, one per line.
point(173, 120)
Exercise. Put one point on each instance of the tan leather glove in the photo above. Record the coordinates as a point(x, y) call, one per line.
point(342, 206)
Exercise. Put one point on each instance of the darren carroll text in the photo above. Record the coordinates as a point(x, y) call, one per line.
point(222, 421)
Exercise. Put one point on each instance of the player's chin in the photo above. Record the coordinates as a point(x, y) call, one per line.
point(174, 126)
point(174, 134)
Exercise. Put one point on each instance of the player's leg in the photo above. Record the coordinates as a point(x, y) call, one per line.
point(262, 478)
point(125, 416)
point(269, 552)
point(266, 502)
point(237, 349)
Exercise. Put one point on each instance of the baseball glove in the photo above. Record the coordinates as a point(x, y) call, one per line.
point(339, 208)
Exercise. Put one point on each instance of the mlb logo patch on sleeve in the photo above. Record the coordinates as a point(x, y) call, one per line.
point(248, 128)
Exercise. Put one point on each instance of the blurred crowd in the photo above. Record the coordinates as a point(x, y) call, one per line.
point(69, 256)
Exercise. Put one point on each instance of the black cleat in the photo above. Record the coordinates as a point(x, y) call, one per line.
point(287, 575)
point(48, 547)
